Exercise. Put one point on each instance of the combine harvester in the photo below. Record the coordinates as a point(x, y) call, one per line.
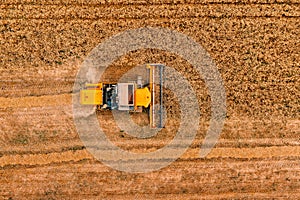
point(132, 96)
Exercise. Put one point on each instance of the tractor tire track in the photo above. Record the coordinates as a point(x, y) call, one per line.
point(75, 156)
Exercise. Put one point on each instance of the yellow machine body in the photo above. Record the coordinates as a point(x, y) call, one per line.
point(92, 95)
point(142, 97)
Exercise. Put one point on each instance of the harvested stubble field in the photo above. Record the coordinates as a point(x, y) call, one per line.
point(255, 45)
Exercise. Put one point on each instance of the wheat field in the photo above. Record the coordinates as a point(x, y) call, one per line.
point(255, 46)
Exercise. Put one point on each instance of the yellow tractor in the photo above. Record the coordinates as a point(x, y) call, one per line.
point(130, 96)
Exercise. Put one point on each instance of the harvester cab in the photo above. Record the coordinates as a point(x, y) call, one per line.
point(132, 96)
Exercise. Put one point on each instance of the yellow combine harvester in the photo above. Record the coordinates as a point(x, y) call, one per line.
point(130, 96)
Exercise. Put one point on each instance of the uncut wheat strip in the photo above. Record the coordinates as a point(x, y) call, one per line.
point(257, 152)
point(44, 159)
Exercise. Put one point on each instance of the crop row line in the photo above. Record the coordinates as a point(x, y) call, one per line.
point(152, 18)
point(146, 12)
point(79, 155)
point(141, 4)
point(123, 3)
